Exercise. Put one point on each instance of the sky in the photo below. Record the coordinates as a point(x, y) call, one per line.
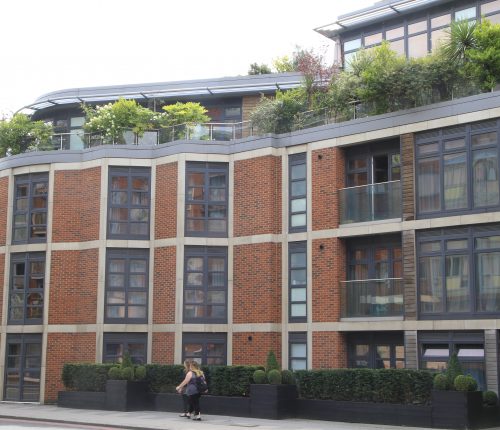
point(56, 44)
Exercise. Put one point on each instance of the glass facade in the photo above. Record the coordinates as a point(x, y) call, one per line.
point(205, 348)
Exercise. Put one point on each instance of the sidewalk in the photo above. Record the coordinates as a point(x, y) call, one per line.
point(149, 420)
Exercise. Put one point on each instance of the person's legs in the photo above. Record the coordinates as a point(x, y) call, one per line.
point(185, 405)
point(196, 406)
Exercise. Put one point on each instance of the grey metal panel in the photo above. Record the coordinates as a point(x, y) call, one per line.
point(491, 356)
point(411, 349)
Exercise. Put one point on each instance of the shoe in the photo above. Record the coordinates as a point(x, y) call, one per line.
point(185, 414)
point(197, 417)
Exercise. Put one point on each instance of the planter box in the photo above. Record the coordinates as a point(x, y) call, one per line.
point(274, 402)
point(456, 409)
point(210, 405)
point(127, 396)
point(82, 399)
point(365, 412)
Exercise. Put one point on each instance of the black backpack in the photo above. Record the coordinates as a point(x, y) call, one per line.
point(201, 384)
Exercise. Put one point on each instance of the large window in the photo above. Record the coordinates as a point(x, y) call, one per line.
point(376, 350)
point(30, 208)
point(297, 278)
point(459, 271)
point(127, 285)
point(297, 351)
point(298, 192)
point(206, 199)
point(26, 298)
point(129, 203)
point(118, 344)
point(205, 284)
point(436, 349)
point(457, 169)
point(23, 361)
point(205, 348)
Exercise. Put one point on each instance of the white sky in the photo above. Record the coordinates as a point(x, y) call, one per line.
point(55, 44)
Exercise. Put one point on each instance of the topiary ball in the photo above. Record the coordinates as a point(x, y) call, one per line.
point(260, 377)
point(127, 373)
point(441, 382)
point(490, 398)
point(274, 377)
point(115, 373)
point(140, 373)
point(287, 377)
point(465, 383)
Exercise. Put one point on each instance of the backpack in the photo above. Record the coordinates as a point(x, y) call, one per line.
point(201, 384)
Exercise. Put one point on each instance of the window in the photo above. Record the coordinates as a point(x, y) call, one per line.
point(297, 278)
point(205, 348)
point(206, 199)
point(30, 208)
point(459, 271)
point(118, 344)
point(298, 192)
point(27, 277)
point(457, 170)
point(465, 14)
point(436, 349)
point(23, 361)
point(129, 196)
point(376, 350)
point(297, 351)
point(205, 284)
point(127, 285)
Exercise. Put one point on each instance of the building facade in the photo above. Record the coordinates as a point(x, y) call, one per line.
point(369, 243)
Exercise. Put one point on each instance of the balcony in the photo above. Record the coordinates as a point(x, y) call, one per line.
point(372, 202)
point(372, 298)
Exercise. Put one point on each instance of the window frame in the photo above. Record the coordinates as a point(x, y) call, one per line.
point(204, 339)
point(373, 340)
point(297, 338)
point(126, 254)
point(130, 173)
point(125, 340)
point(296, 160)
point(206, 168)
point(296, 248)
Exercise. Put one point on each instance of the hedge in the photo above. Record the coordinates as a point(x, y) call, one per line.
point(85, 377)
point(368, 385)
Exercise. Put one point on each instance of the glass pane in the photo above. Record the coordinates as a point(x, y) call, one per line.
point(298, 188)
point(298, 171)
point(192, 311)
point(137, 281)
point(194, 296)
point(140, 199)
point(298, 350)
point(357, 163)
point(116, 281)
point(298, 220)
point(457, 283)
point(298, 295)
point(298, 277)
point(357, 179)
point(138, 266)
point(452, 245)
point(352, 45)
point(195, 211)
point(395, 33)
point(484, 139)
point(195, 225)
point(430, 282)
point(137, 312)
point(21, 204)
point(485, 177)
point(115, 297)
point(488, 281)
point(455, 181)
point(429, 194)
point(215, 311)
point(430, 246)
point(21, 219)
point(141, 184)
point(20, 234)
point(383, 352)
point(298, 364)
point(417, 27)
point(440, 21)
point(298, 205)
point(438, 38)
point(119, 183)
point(39, 202)
point(194, 263)
point(119, 198)
point(216, 297)
point(217, 226)
point(298, 259)
point(195, 179)
point(195, 279)
point(137, 298)
point(217, 179)
point(488, 242)
point(298, 310)
point(216, 279)
point(468, 13)
point(217, 194)
point(118, 214)
point(139, 215)
point(454, 144)
point(373, 39)
point(216, 211)
point(398, 46)
point(115, 311)
point(492, 6)
point(417, 46)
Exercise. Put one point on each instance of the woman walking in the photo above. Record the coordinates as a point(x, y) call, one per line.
point(192, 390)
point(185, 397)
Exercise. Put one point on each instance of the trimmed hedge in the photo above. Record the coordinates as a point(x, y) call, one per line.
point(85, 377)
point(164, 378)
point(230, 380)
point(366, 385)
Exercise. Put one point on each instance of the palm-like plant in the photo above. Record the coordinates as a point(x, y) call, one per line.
point(461, 38)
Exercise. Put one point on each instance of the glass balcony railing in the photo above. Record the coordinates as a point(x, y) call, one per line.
point(372, 298)
point(370, 202)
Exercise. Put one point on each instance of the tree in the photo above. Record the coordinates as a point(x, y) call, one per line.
point(19, 134)
point(284, 64)
point(183, 113)
point(256, 69)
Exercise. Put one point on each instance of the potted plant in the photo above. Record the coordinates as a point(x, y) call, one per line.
point(274, 393)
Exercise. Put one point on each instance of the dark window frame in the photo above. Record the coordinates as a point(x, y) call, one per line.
point(204, 252)
point(205, 339)
point(125, 340)
point(126, 254)
point(31, 211)
point(206, 169)
point(296, 248)
point(130, 173)
point(296, 160)
point(297, 338)
point(374, 340)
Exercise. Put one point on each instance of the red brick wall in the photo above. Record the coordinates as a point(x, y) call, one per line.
point(77, 195)
point(4, 195)
point(257, 196)
point(164, 286)
point(327, 177)
point(73, 287)
point(328, 269)
point(66, 348)
point(329, 350)
point(166, 201)
point(257, 283)
point(255, 351)
point(163, 348)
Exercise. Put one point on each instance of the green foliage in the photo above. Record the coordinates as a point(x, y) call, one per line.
point(19, 134)
point(441, 382)
point(127, 373)
point(453, 369)
point(284, 64)
point(490, 398)
point(115, 373)
point(287, 377)
point(274, 376)
point(164, 378)
point(127, 361)
point(377, 385)
point(140, 373)
point(271, 362)
point(183, 113)
point(259, 69)
point(461, 38)
point(465, 383)
point(260, 377)
point(230, 380)
point(85, 377)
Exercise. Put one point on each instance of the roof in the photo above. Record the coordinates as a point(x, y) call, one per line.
point(237, 86)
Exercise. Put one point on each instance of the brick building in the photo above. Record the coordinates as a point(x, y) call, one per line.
point(369, 243)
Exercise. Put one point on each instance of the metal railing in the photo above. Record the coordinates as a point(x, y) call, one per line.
point(371, 298)
point(370, 202)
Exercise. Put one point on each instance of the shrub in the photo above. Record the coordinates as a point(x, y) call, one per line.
point(164, 378)
point(85, 377)
point(441, 382)
point(287, 377)
point(127, 373)
point(230, 380)
point(453, 369)
point(274, 376)
point(490, 398)
point(115, 373)
point(140, 373)
point(271, 362)
point(465, 383)
point(259, 377)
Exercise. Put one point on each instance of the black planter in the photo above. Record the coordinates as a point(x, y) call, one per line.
point(82, 399)
point(274, 402)
point(127, 395)
point(456, 409)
